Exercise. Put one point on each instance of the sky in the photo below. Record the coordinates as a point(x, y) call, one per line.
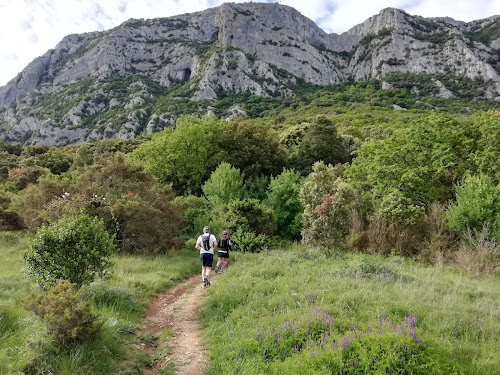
point(29, 28)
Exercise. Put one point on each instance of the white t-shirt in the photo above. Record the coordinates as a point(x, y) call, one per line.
point(212, 240)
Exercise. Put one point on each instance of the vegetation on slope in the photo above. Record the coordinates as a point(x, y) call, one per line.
point(299, 311)
point(120, 302)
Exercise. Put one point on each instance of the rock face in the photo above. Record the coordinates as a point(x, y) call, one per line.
point(133, 79)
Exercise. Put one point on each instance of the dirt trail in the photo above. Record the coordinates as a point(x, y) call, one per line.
point(176, 310)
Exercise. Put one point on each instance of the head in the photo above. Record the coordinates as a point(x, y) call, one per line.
point(206, 229)
point(225, 234)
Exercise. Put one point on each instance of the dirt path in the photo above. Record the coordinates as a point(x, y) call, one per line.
point(176, 310)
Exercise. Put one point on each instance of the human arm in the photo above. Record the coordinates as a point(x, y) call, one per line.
point(198, 245)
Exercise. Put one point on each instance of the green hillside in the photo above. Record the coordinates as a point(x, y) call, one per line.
point(297, 311)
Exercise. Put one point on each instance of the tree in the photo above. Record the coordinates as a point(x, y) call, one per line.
point(184, 157)
point(252, 148)
point(76, 248)
point(317, 141)
point(56, 160)
point(224, 185)
point(477, 205)
point(327, 200)
point(415, 166)
point(283, 198)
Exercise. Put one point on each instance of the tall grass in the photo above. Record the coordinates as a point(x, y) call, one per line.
point(120, 301)
point(297, 311)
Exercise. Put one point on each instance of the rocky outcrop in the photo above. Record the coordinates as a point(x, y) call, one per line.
point(114, 83)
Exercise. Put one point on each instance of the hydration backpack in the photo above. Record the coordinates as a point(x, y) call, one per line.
point(205, 242)
point(224, 243)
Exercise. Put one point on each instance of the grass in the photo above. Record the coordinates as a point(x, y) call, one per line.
point(298, 311)
point(26, 346)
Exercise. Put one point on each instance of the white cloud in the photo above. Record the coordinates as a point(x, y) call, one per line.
point(28, 28)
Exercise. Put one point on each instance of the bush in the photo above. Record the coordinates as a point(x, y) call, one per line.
point(196, 213)
point(24, 176)
point(283, 198)
point(477, 204)
point(65, 312)
point(252, 148)
point(56, 160)
point(132, 205)
point(248, 215)
point(76, 248)
point(327, 202)
point(184, 157)
point(224, 185)
point(249, 241)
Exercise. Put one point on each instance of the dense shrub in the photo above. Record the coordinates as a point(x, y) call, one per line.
point(56, 160)
point(252, 148)
point(224, 185)
point(66, 313)
point(477, 204)
point(249, 241)
point(132, 205)
point(322, 344)
point(256, 187)
point(283, 198)
point(315, 141)
point(23, 176)
point(76, 248)
point(248, 215)
point(196, 213)
point(422, 163)
point(326, 200)
point(9, 219)
point(186, 156)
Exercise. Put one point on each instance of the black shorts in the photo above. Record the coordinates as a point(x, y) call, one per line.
point(223, 255)
point(207, 259)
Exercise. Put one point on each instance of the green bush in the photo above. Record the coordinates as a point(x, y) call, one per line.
point(224, 185)
point(76, 248)
point(66, 313)
point(184, 157)
point(477, 204)
point(249, 241)
point(196, 213)
point(252, 148)
point(248, 215)
point(56, 160)
point(283, 198)
point(323, 344)
point(327, 201)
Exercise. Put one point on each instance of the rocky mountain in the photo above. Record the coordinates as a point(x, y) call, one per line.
point(138, 77)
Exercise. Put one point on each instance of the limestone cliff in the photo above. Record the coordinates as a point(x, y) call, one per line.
point(125, 81)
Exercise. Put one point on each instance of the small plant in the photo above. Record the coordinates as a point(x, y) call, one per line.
point(249, 241)
point(66, 313)
point(76, 248)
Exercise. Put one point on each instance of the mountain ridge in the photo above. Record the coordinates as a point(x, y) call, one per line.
point(259, 48)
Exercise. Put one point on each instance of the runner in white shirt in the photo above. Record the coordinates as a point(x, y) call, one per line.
point(206, 243)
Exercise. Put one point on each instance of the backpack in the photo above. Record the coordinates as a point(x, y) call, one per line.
point(224, 243)
point(205, 242)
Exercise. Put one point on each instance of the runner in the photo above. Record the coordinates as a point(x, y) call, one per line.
point(223, 255)
point(206, 243)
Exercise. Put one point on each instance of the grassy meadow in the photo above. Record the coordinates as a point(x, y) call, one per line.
point(25, 346)
point(298, 311)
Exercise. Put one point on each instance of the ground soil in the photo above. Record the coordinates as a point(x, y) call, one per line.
point(177, 310)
